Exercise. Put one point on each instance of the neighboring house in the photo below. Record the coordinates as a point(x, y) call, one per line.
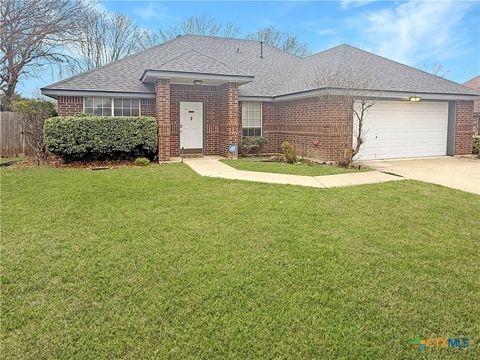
point(208, 92)
point(475, 85)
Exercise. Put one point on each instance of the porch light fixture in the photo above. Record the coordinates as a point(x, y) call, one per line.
point(197, 82)
point(414, 98)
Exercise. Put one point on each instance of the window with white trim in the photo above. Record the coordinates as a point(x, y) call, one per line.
point(126, 107)
point(112, 106)
point(98, 106)
point(251, 118)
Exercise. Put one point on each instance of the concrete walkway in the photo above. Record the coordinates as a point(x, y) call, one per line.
point(212, 167)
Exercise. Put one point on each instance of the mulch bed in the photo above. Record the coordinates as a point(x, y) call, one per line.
point(306, 161)
point(93, 165)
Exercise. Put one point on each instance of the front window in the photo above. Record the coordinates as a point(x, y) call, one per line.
point(98, 106)
point(252, 119)
point(126, 107)
point(112, 106)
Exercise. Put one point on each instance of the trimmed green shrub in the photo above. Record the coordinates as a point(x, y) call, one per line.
point(289, 152)
point(101, 137)
point(142, 161)
point(476, 145)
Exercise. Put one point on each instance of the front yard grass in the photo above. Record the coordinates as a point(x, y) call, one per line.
point(284, 168)
point(159, 262)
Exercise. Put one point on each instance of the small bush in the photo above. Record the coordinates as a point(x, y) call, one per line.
point(289, 152)
point(142, 161)
point(101, 137)
point(476, 145)
point(252, 144)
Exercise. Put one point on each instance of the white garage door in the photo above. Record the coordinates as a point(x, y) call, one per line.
point(402, 129)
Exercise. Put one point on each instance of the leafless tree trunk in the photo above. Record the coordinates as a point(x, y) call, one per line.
point(33, 34)
point(282, 40)
point(359, 109)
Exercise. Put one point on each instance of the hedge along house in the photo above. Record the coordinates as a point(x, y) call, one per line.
point(208, 92)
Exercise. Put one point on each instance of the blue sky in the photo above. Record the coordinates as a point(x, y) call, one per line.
point(416, 33)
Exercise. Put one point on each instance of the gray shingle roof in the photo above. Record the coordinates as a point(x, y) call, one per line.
point(277, 73)
point(195, 61)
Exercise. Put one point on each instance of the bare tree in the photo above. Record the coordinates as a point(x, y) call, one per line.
point(437, 69)
point(199, 25)
point(32, 116)
point(33, 34)
point(106, 38)
point(360, 107)
point(151, 38)
point(351, 92)
point(282, 40)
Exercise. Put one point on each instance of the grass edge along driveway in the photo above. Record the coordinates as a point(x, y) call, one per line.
point(285, 168)
point(159, 262)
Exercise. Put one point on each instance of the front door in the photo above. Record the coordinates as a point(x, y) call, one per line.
point(191, 125)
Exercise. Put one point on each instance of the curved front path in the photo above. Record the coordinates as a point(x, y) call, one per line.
point(212, 167)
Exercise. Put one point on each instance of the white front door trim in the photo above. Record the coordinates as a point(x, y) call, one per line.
point(191, 125)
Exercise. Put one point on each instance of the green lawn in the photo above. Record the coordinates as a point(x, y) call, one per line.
point(284, 168)
point(159, 262)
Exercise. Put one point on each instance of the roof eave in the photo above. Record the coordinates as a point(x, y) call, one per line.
point(154, 74)
point(388, 94)
point(55, 93)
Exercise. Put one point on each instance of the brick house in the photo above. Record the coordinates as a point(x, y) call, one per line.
point(208, 92)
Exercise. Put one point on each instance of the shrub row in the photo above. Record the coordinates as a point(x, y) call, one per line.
point(101, 137)
point(476, 145)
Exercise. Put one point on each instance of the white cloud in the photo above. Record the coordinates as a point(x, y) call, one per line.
point(149, 11)
point(416, 32)
point(347, 4)
point(326, 32)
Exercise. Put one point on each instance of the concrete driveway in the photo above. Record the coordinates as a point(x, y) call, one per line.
point(453, 172)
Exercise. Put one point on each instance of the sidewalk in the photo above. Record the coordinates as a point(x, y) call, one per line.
point(212, 167)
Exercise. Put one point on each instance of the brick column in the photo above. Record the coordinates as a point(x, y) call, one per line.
point(463, 127)
point(232, 117)
point(162, 106)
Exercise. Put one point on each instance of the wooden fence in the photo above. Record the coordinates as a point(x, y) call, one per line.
point(12, 141)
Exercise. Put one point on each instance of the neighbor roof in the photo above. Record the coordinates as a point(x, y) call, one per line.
point(277, 73)
point(475, 85)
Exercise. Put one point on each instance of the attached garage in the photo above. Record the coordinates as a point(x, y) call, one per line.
point(404, 129)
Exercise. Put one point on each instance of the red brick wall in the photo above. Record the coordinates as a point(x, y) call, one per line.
point(228, 109)
point(69, 105)
point(162, 106)
point(195, 93)
point(312, 125)
point(147, 107)
point(220, 110)
point(463, 127)
point(270, 127)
